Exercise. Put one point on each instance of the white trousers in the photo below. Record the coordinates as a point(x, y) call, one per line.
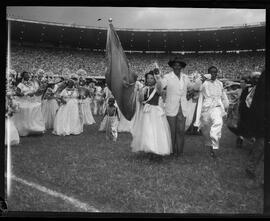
point(211, 126)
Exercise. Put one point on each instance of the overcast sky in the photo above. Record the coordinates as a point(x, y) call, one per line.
point(140, 18)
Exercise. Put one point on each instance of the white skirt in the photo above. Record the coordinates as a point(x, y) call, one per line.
point(29, 119)
point(13, 133)
point(86, 112)
point(151, 131)
point(49, 109)
point(136, 118)
point(67, 120)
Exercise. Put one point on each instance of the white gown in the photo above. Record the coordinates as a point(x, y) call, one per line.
point(49, 109)
point(151, 131)
point(67, 120)
point(86, 112)
point(12, 131)
point(29, 118)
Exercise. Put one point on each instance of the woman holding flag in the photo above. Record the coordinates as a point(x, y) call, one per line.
point(151, 132)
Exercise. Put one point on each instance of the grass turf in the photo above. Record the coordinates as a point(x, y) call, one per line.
point(111, 178)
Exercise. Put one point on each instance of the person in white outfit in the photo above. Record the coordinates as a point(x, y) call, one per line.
point(212, 106)
point(84, 104)
point(29, 119)
point(68, 120)
point(176, 84)
point(151, 131)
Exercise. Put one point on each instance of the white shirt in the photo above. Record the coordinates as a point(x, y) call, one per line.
point(214, 95)
point(176, 93)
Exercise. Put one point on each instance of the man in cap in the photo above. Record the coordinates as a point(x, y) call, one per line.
point(176, 84)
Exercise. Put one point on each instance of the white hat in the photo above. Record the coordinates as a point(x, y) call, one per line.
point(81, 72)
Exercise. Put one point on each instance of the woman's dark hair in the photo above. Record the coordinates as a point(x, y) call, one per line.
point(70, 81)
point(111, 99)
point(148, 73)
point(23, 74)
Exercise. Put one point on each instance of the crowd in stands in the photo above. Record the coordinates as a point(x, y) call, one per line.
point(231, 65)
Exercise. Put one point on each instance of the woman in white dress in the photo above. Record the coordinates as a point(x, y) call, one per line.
point(151, 132)
point(84, 104)
point(29, 118)
point(11, 132)
point(49, 106)
point(68, 120)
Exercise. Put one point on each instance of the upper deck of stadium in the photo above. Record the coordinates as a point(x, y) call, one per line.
point(240, 37)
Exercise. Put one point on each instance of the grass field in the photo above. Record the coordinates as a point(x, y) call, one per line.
point(111, 178)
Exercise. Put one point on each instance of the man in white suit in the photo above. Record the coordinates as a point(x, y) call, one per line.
point(176, 84)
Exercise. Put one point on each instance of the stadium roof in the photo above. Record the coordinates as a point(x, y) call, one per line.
point(244, 37)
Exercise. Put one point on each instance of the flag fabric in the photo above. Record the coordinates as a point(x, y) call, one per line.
point(118, 76)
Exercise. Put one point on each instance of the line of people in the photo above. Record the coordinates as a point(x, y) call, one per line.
point(166, 106)
point(40, 102)
point(161, 131)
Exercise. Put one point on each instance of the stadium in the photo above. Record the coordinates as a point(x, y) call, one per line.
point(86, 173)
point(235, 50)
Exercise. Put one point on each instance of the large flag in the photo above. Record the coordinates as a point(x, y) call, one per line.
point(118, 76)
